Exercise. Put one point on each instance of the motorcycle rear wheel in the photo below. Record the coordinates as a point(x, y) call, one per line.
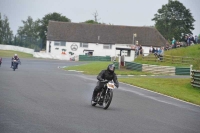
point(107, 99)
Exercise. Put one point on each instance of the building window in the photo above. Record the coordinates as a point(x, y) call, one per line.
point(56, 43)
point(59, 43)
point(107, 46)
point(84, 45)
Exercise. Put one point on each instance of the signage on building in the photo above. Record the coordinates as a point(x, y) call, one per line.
point(74, 47)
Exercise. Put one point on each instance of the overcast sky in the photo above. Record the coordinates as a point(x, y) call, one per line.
point(116, 12)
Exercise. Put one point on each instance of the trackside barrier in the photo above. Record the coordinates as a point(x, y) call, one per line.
point(195, 82)
point(182, 71)
point(94, 58)
point(155, 69)
point(133, 66)
point(116, 65)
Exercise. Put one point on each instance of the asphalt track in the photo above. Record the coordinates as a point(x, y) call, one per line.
point(41, 98)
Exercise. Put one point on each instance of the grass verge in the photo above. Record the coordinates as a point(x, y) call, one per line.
point(94, 68)
point(10, 53)
point(177, 88)
point(190, 51)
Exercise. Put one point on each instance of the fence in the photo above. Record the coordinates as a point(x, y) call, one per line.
point(133, 66)
point(116, 65)
point(195, 82)
point(170, 59)
point(155, 69)
point(94, 58)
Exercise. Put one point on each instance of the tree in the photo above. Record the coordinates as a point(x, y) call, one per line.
point(29, 28)
point(95, 17)
point(44, 23)
point(173, 20)
point(28, 34)
point(6, 34)
point(95, 21)
point(91, 22)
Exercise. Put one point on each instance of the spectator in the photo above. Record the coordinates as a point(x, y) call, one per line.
point(161, 53)
point(173, 43)
point(196, 39)
point(150, 50)
point(167, 46)
point(156, 52)
point(192, 39)
point(136, 50)
point(188, 40)
point(153, 50)
point(140, 50)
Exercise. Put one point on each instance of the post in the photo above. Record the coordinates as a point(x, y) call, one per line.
point(119, 62)
point(191, 70)
point(134, 35)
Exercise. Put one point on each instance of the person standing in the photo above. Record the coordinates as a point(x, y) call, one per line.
point(173, 43)
point(196, 39)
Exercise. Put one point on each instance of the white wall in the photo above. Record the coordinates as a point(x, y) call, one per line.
point(16, 48)
point(98, 49)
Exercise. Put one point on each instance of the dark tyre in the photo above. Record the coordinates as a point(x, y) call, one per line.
point(107, 99)
point(93, 103)
point(14, 67)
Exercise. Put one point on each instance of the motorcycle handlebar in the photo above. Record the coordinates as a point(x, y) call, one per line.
point(104, 81)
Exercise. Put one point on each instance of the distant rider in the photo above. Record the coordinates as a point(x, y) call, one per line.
point(15, 57)
point(107, 74)
point(0, 61)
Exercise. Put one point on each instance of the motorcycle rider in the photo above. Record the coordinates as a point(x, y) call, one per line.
point(15, 57)
point(107, 74)
point(0, 61)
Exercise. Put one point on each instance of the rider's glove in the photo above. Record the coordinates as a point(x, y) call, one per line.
point(100, 79)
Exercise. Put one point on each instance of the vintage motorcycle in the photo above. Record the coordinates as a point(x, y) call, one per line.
point(15, 63)
point(0, 61)
point(107, 90)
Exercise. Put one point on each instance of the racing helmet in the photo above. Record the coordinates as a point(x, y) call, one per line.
point(15, 55)
point(111, 68)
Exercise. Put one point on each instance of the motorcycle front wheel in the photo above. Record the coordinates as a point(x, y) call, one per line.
point(93, 103)
point(107, 99)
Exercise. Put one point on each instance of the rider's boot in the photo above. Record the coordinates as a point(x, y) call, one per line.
point(94, 95)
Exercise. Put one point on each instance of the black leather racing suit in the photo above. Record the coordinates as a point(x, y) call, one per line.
point(14, 58)
point(105, 75)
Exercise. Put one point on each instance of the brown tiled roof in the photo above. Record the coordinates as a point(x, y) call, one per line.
point(109, 34)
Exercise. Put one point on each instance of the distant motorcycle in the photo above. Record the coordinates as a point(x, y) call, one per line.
point(0, 61)
point(107, 98)
point(15, 64)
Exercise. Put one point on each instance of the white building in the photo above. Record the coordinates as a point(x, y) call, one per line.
point(74, 39)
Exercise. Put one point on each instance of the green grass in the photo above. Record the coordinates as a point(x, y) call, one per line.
point(191, 51)
point(177, 88)
point(94, 68)
point(10, 53)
